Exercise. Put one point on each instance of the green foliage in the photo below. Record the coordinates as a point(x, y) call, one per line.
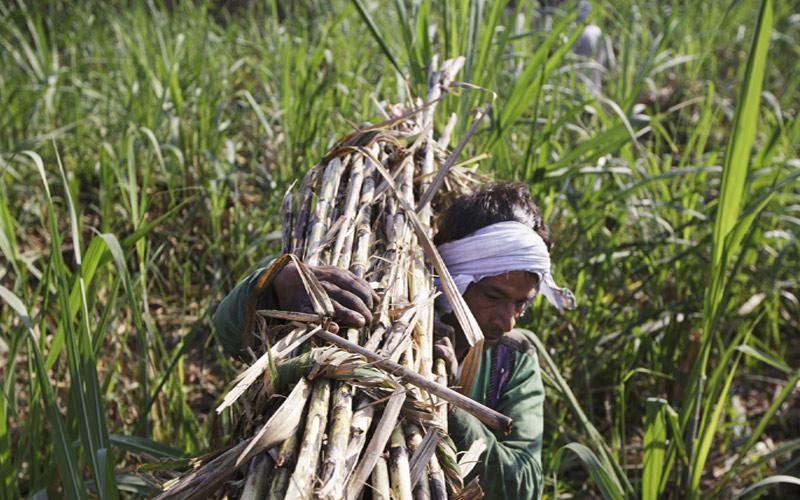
point(144, 148)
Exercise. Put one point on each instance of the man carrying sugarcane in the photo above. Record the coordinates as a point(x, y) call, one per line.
point(496, 247)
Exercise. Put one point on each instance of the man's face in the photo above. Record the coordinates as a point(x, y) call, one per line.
point(498, 301)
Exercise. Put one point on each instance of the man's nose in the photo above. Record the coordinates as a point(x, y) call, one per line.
point(505, 317)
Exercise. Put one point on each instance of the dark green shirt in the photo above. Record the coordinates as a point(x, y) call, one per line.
point(510, 468)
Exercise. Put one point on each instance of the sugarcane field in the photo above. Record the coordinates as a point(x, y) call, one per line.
point(399, 249)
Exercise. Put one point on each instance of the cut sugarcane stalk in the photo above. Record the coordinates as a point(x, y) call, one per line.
point(301, 484)
point(258, 478)
point(333, 467)
point(381, 487)
point(399, 474)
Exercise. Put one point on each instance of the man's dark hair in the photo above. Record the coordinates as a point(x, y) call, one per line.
point(493, 203)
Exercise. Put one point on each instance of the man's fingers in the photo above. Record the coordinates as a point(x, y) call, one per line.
point(348, 281)
point(348, 300)
point(346, 316)
point(443, 349)
point(443, 330)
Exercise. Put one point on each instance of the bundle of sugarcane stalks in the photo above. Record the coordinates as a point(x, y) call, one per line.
point(360, 412)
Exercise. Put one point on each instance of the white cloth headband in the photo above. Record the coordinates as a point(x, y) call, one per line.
point(501, 248)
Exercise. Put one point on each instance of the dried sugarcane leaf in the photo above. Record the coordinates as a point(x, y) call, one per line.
point(367, 136)
point(471, 457)
point(422, 455)
point(380, 437)
point(201, 482)
point(260, 287)
point(445, 169)
point(317, 295)
point(282, 424)
point(440, 373)
point(276, 352)
point(289, 315)
point(471, 491)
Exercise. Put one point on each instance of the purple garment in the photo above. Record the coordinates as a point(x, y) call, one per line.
point(502, 363)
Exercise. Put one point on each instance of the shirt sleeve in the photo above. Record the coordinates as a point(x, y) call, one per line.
point(229, 317)
point(511, 466)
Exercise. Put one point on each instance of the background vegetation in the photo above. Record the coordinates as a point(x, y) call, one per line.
point(144, 149)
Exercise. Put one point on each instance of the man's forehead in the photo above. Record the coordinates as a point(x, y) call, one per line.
point(512, 282)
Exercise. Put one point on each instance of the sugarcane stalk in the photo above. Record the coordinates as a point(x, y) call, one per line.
point(359, 425)
point(284, 464)
point(433, 91)
point(399, 474)
point(447, 132)
point(420, 280)
point(363, 227)
point(304, 207)
point(322, 210)
point(349, 211)
point(440, 371)
point(258, 478)
point(422, 491)
point(381, 487)
point(333, 467)
point(419, 483)
point(301, 484)
point(438, 487)
point(374, 449)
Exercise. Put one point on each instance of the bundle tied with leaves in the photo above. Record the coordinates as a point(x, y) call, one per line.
point(362, 411)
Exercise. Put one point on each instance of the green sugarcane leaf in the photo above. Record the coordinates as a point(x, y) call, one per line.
point(655, 446)
point(66, 459)
point(140, 445)
point(768, 481)
point(765, 358)
point(603, 476)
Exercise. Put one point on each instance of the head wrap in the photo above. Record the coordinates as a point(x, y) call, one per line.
point(498, 249)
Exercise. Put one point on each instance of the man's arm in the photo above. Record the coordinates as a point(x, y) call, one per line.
point(352, 299)
point(511, 465)
point(230, 315)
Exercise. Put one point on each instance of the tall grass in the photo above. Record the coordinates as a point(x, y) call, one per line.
point(143, 150)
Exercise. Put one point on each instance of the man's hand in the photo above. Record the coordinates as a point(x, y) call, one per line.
point(444, 342)
point(353, 299)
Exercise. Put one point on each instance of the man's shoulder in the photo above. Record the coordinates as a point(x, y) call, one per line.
point(520, 340)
